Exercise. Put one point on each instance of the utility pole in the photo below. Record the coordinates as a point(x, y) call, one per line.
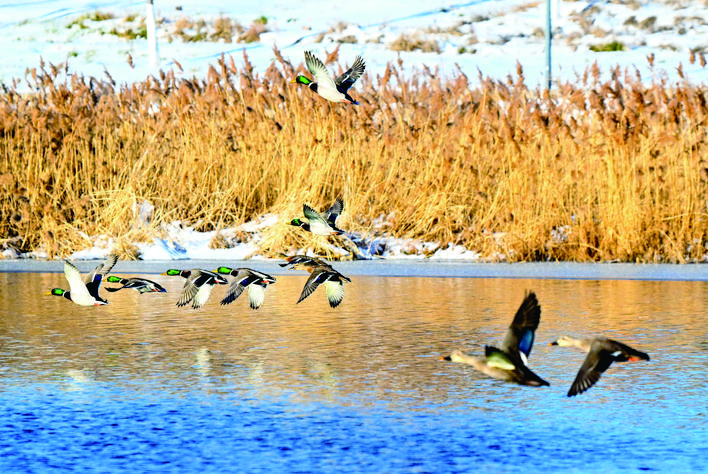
point(548, 44)
point(152, 35)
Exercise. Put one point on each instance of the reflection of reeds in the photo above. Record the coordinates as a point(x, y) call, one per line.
point(599, 171)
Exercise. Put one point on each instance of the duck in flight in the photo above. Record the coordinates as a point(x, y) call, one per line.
point(142, 285)
point(317, 223)
point(255, 281)
point(84, 292)
point(335, 90)
point(332, 280)
point(198, 286)
point(601, 353)
point(303, 262)
point(509, 361)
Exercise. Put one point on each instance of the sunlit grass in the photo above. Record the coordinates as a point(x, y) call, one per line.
point(598, 171)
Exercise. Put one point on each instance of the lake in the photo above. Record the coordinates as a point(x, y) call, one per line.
point(141, 385)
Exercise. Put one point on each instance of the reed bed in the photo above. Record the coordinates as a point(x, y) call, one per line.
point(596, 171)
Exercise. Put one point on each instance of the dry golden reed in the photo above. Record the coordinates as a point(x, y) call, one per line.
point(597, 171)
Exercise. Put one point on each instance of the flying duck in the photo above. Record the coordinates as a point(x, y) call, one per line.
point(322, 83)
point(318, 224)
point(602, 352)
point(255, 281)
point(141, 284)
point(85, 292)
point(508, 363)
point(332, 280)
point(198, 286)
point(303, 262)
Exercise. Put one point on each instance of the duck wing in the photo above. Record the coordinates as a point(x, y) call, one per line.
point(77, 287)
point(597, 361)
point(189, 290)
point(319, 72)
point(333, 212)
point(202, 295)
point(256, 295)
point(93, 280)
point(313, 216)
point(520, 336)
point(335, 292)
point(196, 281)
point(243, 279)
point(103, 268)
point(316, 278)
point(350, 76)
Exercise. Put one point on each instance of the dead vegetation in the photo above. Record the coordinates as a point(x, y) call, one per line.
point(599, 171)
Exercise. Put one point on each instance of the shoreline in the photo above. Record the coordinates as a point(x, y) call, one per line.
point(403, 268)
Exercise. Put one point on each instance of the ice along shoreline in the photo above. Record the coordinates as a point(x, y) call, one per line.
point(404, 268)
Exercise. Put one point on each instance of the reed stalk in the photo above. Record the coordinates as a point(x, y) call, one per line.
point(597, 171)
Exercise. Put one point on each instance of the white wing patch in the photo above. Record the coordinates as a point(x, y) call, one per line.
point(335, 292)
point(202, 296)
point(256, 295)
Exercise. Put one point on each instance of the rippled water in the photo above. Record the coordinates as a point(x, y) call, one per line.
point(142, 385)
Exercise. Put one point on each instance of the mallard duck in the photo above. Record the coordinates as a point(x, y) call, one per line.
point(141, 284)
point(602, 352)
point(85, 292)
point(303, 262)
point(319, 225)
point(198, 286)
point(255, 281)
point(509, 363)
point(322, 83)
point(332, 280)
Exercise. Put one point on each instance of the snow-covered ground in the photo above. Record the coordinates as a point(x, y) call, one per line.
point(485, 35)
point(96, 38)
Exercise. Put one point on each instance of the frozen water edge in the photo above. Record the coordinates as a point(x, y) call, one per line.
point(404, 268)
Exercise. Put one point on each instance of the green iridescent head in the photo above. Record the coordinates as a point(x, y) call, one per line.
point(223, 270)
point(114, 279)
point(303, 80)
point(173, 272)
point(57, 292)
point(296, 222)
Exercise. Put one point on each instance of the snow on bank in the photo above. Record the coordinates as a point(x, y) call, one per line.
point(184, 243)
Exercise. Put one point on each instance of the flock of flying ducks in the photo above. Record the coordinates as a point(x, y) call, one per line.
point(199, 282)
point(508, 363)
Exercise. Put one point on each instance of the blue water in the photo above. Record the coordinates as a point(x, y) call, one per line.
point(142, 386)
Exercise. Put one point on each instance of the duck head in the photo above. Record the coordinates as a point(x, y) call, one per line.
point(60, 292)
point(224, 270)
point(299, 223)
point(172, 272)
point(302, 80)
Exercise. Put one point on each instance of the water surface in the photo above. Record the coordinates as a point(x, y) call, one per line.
point(142, 385)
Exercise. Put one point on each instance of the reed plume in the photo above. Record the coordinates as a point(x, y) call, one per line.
point(595, 171)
